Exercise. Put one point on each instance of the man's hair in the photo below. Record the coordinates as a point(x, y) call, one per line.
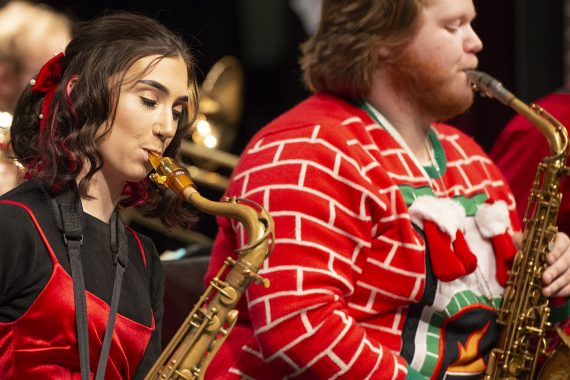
point(97, 59)
point(341, 56)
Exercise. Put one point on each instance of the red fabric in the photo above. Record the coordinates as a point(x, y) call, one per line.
point(46, 82)
point(347, 262)
point(464, 254)
point(49, 75)
point(43, 347)
point(505, 252)
point(445, 263)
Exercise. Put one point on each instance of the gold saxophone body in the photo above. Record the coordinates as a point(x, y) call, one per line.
point(196, 342)
point(524, 313)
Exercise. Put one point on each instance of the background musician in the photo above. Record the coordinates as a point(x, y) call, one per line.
point(30, 34)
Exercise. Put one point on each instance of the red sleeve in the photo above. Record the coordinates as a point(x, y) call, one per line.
point(301, 322)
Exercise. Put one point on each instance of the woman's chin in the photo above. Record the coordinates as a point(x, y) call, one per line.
point(136, 177)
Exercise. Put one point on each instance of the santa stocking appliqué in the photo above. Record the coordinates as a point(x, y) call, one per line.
point(493, 223)
point(442, 220)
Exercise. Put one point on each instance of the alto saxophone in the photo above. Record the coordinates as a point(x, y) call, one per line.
point(524, 313)
point(196, 342)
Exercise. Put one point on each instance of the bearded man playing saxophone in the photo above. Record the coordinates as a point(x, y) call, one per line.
point(393, 230)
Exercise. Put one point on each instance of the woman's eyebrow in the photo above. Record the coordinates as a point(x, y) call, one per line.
point(159, 86)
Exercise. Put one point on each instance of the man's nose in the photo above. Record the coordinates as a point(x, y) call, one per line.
point(473, 43)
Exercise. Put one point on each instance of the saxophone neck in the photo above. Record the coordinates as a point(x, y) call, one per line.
point(196, 342)
point(555, 133)
point(547, 124)
point(257, 221)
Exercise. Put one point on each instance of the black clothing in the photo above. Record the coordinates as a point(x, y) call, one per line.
point(26, 267)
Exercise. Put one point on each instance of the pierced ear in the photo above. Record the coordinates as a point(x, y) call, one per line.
point(71, 84)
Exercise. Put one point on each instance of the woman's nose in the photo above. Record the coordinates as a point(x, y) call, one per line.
point(166, 127)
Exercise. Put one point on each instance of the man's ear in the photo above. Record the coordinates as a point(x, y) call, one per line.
point(71, 84)
point(385, 52)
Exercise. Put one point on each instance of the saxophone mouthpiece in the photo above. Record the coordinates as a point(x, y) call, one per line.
point(154, 159)
point(169, 173)
point(489, 86)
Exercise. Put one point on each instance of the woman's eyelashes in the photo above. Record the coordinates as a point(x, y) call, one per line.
point(148, 98)
point(151, 102)
point(147, 102)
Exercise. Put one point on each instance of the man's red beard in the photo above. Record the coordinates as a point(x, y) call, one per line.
point(426, 87)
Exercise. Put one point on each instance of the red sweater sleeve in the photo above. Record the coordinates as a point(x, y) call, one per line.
point(301, 321)
point(304, 323)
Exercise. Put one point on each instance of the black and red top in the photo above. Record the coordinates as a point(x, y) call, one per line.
point(37, 311)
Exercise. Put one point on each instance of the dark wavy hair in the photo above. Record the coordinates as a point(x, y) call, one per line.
point(343, 53)
point(101, 49)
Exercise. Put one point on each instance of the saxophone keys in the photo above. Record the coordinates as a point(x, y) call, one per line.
point(185, 374)
point(232, 317)
point(227, 292)
point(259, 279)
point(214, 324)
point(158, 179)
point(228, 296)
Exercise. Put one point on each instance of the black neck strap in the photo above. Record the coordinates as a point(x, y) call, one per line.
point(67, 207)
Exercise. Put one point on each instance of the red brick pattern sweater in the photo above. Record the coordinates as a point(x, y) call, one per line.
point(352, 292)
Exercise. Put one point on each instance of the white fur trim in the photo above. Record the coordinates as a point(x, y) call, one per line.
point(446, 213)
point(492, 219)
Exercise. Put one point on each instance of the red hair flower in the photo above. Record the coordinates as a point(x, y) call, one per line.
point(45, 83)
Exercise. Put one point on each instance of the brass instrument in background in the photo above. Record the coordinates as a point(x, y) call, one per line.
point(215, 128)
point(205, 151)
point(208, 324)
point(221, 105)
point(524, 313)
point(11, 171)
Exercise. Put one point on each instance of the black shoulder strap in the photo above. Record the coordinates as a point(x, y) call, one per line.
point(73, 237)
point(119, 247)
point(67, 207)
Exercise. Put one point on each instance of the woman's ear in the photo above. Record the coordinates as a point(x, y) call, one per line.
point(71, 84)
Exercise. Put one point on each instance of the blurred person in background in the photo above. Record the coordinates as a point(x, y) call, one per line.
point(30, 34)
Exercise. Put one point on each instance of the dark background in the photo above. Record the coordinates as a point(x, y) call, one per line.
point(523, 48)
